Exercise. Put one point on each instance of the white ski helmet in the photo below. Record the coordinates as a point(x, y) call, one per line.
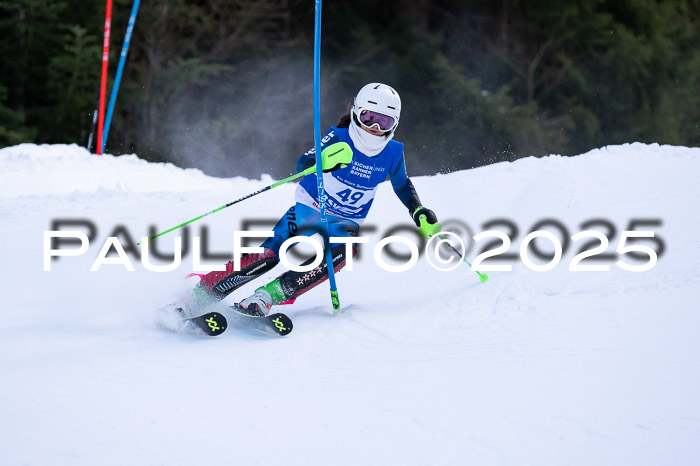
point(379, 98)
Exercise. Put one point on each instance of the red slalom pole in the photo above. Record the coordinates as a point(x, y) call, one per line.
point(103, 83)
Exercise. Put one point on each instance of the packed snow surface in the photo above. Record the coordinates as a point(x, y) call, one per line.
point(422, 367)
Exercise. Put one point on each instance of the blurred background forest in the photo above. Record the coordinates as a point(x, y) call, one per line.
point(226, 85)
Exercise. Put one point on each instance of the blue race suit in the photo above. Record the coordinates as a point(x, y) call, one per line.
point(350, 191)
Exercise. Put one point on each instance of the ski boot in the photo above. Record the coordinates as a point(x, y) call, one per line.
point(257, 305)
point(260, 303)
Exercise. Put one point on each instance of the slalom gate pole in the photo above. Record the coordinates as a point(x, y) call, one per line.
point(120, 69)
point(308, 171)
point(319, 161)
point(482, 276)
point(103, 82)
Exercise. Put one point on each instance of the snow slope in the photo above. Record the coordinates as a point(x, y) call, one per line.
point(423, 367)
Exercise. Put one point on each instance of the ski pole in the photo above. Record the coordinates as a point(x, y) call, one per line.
point(434, 231)
point(482, 276)
point(308, 171)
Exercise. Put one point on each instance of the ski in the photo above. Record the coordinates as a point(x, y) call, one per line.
point(212, 323)
point(275, 324)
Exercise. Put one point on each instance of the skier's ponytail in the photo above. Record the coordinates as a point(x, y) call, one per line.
point(344, 121)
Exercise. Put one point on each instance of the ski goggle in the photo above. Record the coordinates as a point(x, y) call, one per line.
point(370, 118)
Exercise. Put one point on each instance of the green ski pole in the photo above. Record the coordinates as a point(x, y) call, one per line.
point(308, 171)
point(482, 276)
point(430, 230)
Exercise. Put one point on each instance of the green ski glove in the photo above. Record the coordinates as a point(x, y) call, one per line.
point(336, 156)
point(426, 221)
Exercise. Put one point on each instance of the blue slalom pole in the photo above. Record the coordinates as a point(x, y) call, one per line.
point(120, 68)
point(319, 164)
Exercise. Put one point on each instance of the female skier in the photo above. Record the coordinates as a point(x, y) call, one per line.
point(350, 186)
